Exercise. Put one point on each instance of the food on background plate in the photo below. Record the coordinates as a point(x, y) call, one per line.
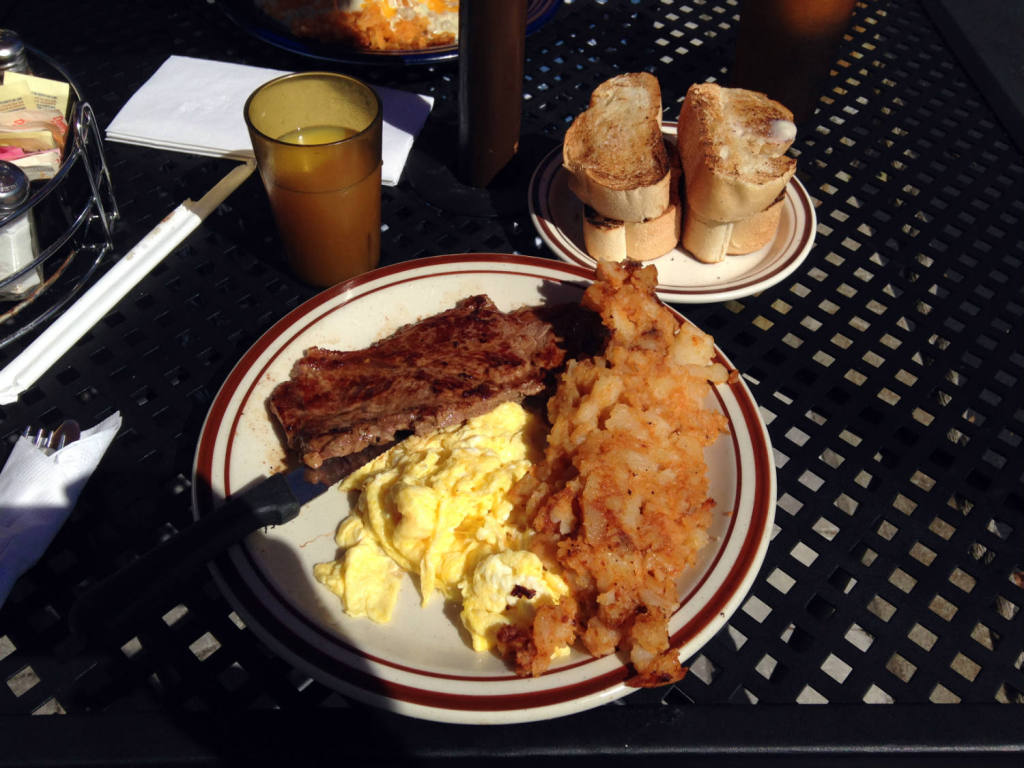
point(609, 239)
point(751, 233)
point(549, 532)
point(624, 173)
point(615, 153)
point(732, 143)
point(638, 205)
point(370, 25)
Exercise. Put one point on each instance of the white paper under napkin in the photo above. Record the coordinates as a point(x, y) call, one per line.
point(38, 492)
point(195, 105)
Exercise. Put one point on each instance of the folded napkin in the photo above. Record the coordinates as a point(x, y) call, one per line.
point(38, 492)
point(195, 105)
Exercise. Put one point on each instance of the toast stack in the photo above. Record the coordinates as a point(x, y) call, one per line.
point(719, 188)
point(623, 172)
point(732, 143)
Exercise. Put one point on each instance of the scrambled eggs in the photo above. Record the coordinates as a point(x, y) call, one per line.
point(507, 588)
point(437, 506)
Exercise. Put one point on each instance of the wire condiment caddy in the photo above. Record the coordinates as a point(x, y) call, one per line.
point(75, 213)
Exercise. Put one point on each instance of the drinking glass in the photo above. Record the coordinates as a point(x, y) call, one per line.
point(786, 47)
point(317, 140)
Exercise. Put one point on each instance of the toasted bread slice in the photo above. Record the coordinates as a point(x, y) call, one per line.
point(613, 240)
point(755, 232)
point(608, 239)
point(614, 151)
point(707, 241)
point(711, 241)
point(732, 143)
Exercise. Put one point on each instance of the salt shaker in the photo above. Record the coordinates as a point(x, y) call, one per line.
point(12, 52)
point(18, 243)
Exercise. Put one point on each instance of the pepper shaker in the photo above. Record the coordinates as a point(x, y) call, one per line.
point(492, 36)
point(18, 243)
point(12, 52)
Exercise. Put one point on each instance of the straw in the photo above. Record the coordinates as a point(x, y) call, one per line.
point(25, 369)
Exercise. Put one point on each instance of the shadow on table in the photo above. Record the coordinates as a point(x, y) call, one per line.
point(432, 171)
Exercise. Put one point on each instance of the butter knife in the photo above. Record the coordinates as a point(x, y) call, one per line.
point(113, 603)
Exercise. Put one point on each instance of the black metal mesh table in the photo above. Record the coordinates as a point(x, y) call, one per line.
point(886, 619)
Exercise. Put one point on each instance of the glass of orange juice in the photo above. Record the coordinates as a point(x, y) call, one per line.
point(786, 47)
point(317, 140)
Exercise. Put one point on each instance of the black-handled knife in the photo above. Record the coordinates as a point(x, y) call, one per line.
point(112, 603)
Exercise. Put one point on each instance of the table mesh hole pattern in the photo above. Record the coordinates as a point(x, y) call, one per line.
point(884, 368)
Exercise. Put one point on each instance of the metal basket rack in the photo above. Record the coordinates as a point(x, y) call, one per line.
point(75, 213)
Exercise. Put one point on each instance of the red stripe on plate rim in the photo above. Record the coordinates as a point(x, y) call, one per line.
point(739, 572)
point(542, 183)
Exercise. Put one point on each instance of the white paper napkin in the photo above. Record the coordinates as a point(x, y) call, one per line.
point(195, 105)
point(38, 492)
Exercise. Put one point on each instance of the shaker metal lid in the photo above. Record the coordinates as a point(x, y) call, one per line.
point(13, 185)
point(11, 46)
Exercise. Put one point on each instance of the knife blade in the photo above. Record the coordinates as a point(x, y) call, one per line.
point(302, 488)
point(110, 605)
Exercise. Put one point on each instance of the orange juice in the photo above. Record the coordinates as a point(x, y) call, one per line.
point(330, 228)
point(317, 141)
point(318, 134)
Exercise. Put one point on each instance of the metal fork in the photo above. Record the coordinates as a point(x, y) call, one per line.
point(54, 440)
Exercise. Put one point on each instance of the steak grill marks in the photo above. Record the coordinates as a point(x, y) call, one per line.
point(426, 376)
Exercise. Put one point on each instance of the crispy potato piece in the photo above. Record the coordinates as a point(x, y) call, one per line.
point(620, 503)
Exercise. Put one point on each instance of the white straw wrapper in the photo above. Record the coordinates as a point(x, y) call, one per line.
point(24, 370)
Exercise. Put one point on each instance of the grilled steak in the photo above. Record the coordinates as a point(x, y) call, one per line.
point(426, 376)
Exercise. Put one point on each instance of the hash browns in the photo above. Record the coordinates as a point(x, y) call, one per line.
point(620, 502)
point(370, 25)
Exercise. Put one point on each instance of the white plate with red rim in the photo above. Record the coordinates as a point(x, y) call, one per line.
point(557, 215)
point(421, 664)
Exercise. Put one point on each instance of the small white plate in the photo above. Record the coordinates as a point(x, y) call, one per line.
point(557, 215)
point(421, 663)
